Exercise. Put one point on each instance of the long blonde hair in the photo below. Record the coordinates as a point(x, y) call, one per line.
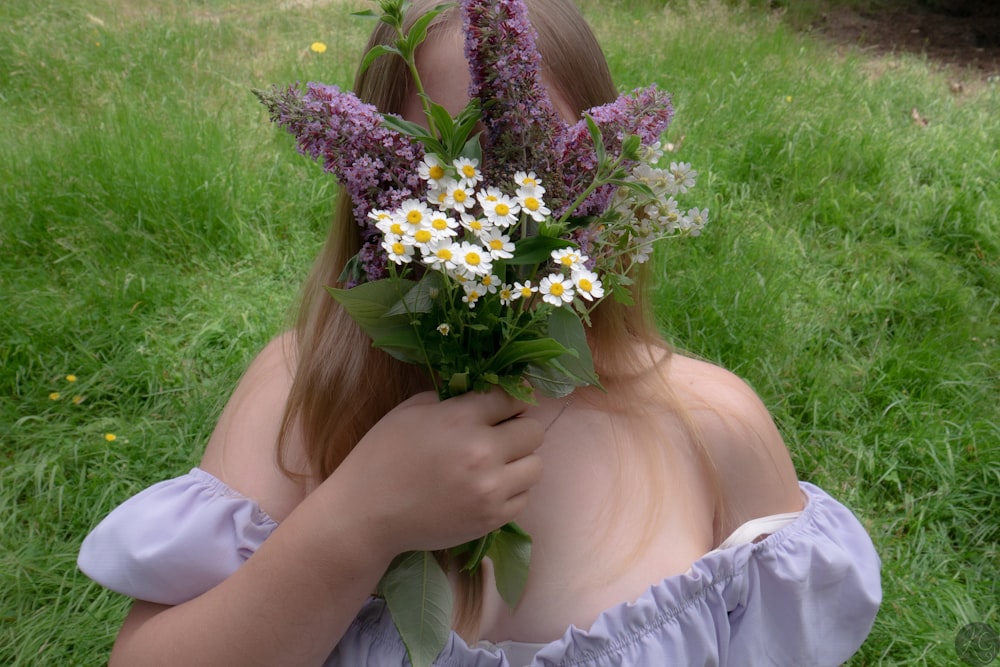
point(343, 385)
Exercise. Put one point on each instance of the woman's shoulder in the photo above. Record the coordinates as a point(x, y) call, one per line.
point(754, 468)
point(243, 449)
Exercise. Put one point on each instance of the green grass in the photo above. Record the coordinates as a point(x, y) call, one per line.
point(154, 230)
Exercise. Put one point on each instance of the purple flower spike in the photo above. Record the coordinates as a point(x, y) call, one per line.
point(374, 163)
point(523, 129)
point(646, 112)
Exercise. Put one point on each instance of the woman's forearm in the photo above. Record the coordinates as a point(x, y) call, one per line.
point(289, 604)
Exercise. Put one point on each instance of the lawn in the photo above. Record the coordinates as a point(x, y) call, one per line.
point(154, 230)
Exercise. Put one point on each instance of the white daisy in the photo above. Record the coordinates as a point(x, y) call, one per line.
point(468, 172)
point(459, 197)
point(399, 248)
point(569, 258)
point(555, 289)
point(503, 212)
point(443, 226)
point(440, 255)
point(587, 284)
point(488, 197)
point(413, 214)
point(490, 283)
point(508, 295)
point(530, 199)
point(683, 176)
point(524, 290)
point(529, 179)
point(473, 260)
point(478, 226)
point(430, 168)
point(499, 245)
point(473, 293)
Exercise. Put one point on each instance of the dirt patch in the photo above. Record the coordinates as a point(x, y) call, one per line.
point(960, 34)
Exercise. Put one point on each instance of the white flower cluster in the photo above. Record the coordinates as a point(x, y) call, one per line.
point(463, 228)
point(660, 215)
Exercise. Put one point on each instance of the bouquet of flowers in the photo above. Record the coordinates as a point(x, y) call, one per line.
point(483, 257)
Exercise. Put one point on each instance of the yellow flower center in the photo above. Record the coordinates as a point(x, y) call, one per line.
point(398, 248)
point(525, 292)
point(436, 172)
point(472, 258)
point(468, 171)
point(505, 294)
point(502, 209)
point(460, 195)
point(531, 203)
point(396, 228)
point(557, 289)
point(475, 225)
point(496, 244)
point(414, 217)
point(422, 235)
point(568, 260)
point(487, 280)
point(443, 253)
point(585, 285)
point(439, 224)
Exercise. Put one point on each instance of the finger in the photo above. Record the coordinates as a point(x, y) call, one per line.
point(519, 437)
point(494, 406)
point(520, 475)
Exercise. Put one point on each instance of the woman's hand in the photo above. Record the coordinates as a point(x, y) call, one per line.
point(434, 474)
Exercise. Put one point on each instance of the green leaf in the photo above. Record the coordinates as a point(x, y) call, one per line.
point(595, 136)
point(403, 344)
point(458, 384)
point(551, 379)
point(536, 249)
point(511, 557)
point(622, 294)
point(630, 147)
point(419, 598)
point(442, 120)
point(516, 387)
point(526, 352)
point(368, 303)
point(478, 550)
point(566, 328)
point(418, 32)
point(376, 52)
point(406, 127)
point(420, 299)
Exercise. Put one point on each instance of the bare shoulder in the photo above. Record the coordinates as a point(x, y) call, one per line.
point(754, 467)
point(242, 451)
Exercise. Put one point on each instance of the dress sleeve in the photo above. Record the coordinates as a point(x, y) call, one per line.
point(175, 540)
point(811, 592)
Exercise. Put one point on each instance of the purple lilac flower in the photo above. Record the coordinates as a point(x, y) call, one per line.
point(523, 129)
point(374, 163)
point(646, 112)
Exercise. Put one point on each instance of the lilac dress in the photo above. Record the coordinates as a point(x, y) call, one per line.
point(805, 595)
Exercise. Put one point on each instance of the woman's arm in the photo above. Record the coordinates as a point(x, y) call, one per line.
point(429, 475)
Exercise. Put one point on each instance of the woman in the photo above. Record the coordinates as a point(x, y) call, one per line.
point(668, 523)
